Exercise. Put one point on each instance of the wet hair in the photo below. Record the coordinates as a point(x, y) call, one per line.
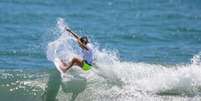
point(84, 40)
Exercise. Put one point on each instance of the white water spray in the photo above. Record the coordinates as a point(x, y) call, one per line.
point(124, 81)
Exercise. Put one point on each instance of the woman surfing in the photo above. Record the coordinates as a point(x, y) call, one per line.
point(86, 59)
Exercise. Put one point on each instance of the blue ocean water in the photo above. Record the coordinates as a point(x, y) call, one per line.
point(146, 35)
point(155, 31)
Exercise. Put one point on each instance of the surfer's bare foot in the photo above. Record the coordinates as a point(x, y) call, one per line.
point(63, 63)
point(63, 70)
point(63, 66)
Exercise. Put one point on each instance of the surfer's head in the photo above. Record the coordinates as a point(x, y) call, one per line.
point(84, 40)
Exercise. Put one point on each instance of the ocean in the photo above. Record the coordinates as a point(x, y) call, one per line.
point(144, 50)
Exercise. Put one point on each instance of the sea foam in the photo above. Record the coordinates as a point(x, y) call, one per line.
point(125, 81)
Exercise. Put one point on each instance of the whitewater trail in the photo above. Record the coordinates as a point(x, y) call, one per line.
point(112, 79)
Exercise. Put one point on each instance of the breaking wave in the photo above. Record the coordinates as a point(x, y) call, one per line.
point(112, 79)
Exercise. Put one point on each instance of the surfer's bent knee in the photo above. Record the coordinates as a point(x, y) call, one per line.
point(77, 61)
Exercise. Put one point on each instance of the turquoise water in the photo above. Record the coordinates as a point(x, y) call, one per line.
point(145, 37)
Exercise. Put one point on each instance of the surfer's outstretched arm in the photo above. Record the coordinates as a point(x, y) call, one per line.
point(73, 33)
point(78, 39)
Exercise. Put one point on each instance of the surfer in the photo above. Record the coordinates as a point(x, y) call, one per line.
point(86, 59)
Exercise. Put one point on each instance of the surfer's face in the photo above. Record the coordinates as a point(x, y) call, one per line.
point(84, 40)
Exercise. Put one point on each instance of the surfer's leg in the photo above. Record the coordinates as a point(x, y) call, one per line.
point(63, 66)
point(74, 61)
